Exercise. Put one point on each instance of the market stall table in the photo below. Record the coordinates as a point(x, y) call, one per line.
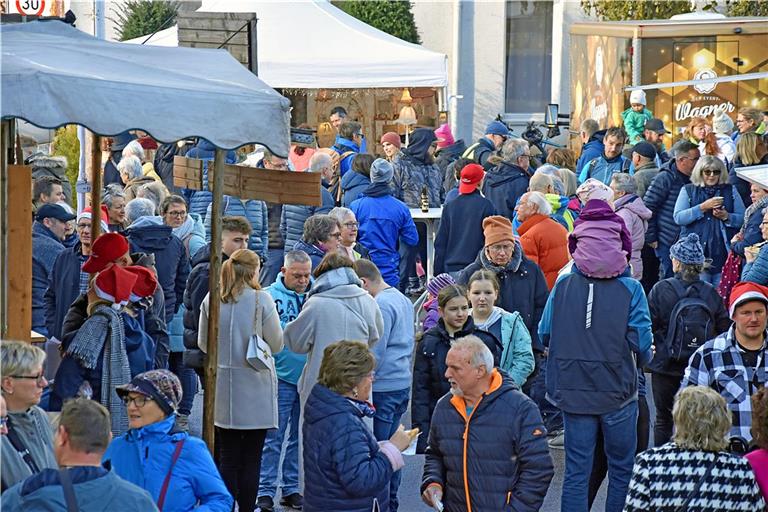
point(429, 218)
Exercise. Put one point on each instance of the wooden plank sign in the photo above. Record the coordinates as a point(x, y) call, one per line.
point(284, 187)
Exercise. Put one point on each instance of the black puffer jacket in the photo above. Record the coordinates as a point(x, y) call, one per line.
point(429, 382)
point(660, 198)
point(497, 460)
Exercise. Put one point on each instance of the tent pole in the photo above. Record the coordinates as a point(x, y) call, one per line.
point(6, 135)
point(214, 299)
point(95, 186)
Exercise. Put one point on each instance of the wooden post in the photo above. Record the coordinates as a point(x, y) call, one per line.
point(214, 298)
point(95, 186)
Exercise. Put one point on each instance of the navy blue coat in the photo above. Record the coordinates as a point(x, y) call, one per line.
point(171, 259)
point(503, 186)
point(344, 467)
point(200, 199)
point(352, 185)
point(45, 248)
point(752, 233)
point(498, 453)
point(315, 254)
point(196, 290)
point(660, 198)
point(293, 217)
point(460, 235)
point(445, 157)
point(429, 382)
point(63, 289)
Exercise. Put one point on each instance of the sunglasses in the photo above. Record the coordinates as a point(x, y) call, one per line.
point(711, 172)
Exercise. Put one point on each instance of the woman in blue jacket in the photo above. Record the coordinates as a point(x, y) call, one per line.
point(153, 448)
point(345, 469)
point(712, 208)
point(354, 183)
point(756, 268)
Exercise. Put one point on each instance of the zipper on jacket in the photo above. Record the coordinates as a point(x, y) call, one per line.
point(464, 455)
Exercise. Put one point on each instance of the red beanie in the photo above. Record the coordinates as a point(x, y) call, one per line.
point(114, 284)
point(746, 291)
point(105, 250)
point(392, 138)
point(146, 283)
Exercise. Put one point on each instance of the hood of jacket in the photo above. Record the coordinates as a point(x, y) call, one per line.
point(418, 148)
point(353, 179)
point(340, 283)
point(323, 403)
point(279, 287)
point(192, 221)
point(150, 233)
point(598, 136)
point(597, 209)
point(51, 165)
point(634, 204)
point(455, 149)
point(556, 201)
point(377, 190)
point(345, 145)
point(504, 173)
point(512, 266)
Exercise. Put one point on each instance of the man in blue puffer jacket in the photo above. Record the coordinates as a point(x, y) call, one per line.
point(592, 138)
point(256, 213)
point(487, 444)
point(610, 161)
point(200, 199)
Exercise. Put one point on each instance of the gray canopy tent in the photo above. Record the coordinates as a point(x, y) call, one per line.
point(54, 74)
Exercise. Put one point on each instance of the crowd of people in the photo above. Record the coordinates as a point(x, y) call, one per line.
point(561, 284)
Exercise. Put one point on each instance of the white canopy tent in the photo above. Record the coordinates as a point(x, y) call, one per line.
point(310, 44)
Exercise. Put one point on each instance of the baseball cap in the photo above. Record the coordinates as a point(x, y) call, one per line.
point(645, 149)
point(471, 176)
point(54, 211)
point(656, 125)
point(497, 128)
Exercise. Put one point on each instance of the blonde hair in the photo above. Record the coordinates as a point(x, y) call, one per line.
point(237, 273)
point(746, 147)
point(344, 365)
point(702, 419)
point(19, 358)
point(708, 162)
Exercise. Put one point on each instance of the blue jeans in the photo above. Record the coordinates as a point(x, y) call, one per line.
point(713, 279)
point(288, 415)
point(620, 437)
point(390, 407)
point(665, 263)
point(188, 379)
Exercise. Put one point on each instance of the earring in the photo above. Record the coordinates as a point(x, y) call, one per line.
point(354, 392)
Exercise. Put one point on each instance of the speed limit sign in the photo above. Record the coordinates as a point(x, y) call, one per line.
point(30, 7)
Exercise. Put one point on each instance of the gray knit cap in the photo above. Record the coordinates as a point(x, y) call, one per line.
point(381, 171)
point(688, 250)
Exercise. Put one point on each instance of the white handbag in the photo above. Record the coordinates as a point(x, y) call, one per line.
point(259, 355)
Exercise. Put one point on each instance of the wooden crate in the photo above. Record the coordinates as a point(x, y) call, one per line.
point(187, 173)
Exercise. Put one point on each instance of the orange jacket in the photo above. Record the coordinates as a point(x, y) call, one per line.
point(545, 242)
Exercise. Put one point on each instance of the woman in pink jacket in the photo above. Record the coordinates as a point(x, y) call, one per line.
point(635, 214)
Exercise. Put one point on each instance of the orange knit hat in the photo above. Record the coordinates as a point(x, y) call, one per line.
point(497, 229)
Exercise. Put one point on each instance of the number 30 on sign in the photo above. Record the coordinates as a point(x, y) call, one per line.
point(30, 7)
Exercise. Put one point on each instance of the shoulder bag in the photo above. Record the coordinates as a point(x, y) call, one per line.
point(167, 481)
point(259, 355)
point(69, 490)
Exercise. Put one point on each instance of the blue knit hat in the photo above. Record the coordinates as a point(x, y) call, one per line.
point(688, 250)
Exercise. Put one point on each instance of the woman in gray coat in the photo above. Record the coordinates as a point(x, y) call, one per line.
point(246, 398)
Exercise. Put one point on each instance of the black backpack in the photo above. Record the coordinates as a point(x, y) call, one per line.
point(691, 324)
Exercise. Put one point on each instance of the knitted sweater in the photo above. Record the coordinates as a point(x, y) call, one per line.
point(663, 478)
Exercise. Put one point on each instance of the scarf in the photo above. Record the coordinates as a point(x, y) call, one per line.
point(85, 349)
point(754, 207)
point(185, 229)
point(512, 266)
point(366, 409)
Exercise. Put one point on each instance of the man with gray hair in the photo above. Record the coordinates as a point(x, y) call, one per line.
point(592, 139)
point(148, 234)
point(505, 184)
point(660, 198)
point(289, 293)
point(544, 241)
point(132, 175)
point(506, 437)
point(81, 438)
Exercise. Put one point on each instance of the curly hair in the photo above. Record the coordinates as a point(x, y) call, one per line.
point(345, 364)
point(561, 157)
point(702, 419)
point(760, 418)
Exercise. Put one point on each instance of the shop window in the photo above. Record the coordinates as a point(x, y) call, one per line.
point(528, 55)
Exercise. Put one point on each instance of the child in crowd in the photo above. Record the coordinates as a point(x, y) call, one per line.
point(434, 286)
point(636, 116)
point(600, 243)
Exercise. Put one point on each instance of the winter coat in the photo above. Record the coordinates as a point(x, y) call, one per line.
point(246, 398)
point(256, 213)
point(600, 243)
point(715, 234)
point(192, 234)
point(288, 304)
point(635, 215)
point(480, 152)
point(726, 146)
point(751, 231)
point(55, 166)
point(337, 308)
point(523, 288)
point(293, 217)
point(346, 469)
point(493, 459)
point(132, 187)
point(429, 382)
point(36, 435)
point(45, 249)
point(644, 176)
point(384, 221)
point(560, 211)
point(598, 331)
point(200, 199)
point(660, 198)
point(634, 123)
point(63, 288)
point(315, 253)
point(111, 174)
point(603, 169)
point(347, 150)
point(517, 355)
point(757, 271)
point(164, 164)
point(96, 490)
point(431, 314)
point(661, 301)
point(545, 242)
point(445, 157)
point(150, 235)
point(142, 456)
point(416, 170)
point(504, 186)
point(352, 185)
point(592, 149)
point(460, 234)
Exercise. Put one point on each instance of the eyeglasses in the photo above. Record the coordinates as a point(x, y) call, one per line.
point(525, 156)
point(711, 172)
point(336, 235)
point(39, 379)
point(176, 214)
point(689, 158)
point(351, 225)
point(501, 247)
point(140, 401)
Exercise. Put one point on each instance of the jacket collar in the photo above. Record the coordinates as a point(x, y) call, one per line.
point(460, 404)
point(512, 266)
point(157, 430)
point(38, 228)
point(530, 222)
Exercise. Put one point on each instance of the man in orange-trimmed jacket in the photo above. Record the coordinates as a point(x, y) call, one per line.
point(487, 443)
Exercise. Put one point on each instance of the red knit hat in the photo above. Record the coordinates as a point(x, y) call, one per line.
point(392, 138)
point(146, 283)
point(744, 292)
point(114, 284)
point(105, 250)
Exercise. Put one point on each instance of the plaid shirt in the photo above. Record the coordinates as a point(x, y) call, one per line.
point(718, 364)
point(83, 283)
